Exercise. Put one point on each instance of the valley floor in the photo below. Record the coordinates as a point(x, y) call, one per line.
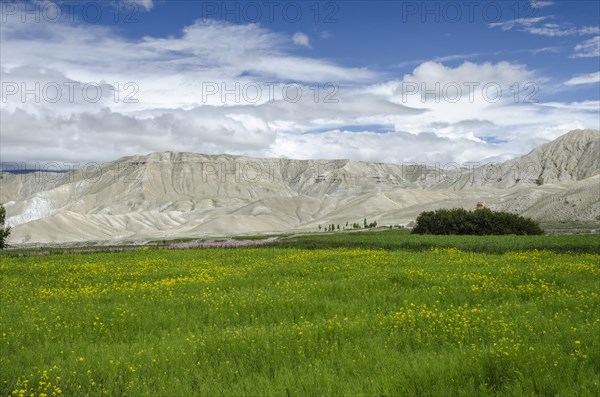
point(361, 313)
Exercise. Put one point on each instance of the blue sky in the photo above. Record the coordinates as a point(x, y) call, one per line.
point(368, 57)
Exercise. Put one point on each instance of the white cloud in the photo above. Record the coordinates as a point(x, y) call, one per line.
point(470, 85)
point(589, 30)
point(531, 25)
point(508, 25)
point(146, 4)
point(551, 30)
point(445, 58)
point(169, 71)
point(301, 39)
point(580, 79)
point(588, 49)
point(540, 3)
point(543, 49)
point(514, 117)
point(368, 118)
point(555, 30)
point(474, 55)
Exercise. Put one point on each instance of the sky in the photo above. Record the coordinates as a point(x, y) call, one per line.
point(382, 81)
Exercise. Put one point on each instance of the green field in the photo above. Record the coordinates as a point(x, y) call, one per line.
point(400, 315)
point(404, 240)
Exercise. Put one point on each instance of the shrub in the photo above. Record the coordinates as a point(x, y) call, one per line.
point(481, 221)
point(4, 230)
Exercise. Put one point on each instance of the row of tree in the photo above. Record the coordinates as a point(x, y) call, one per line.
point(481, 221)
point(333, 227)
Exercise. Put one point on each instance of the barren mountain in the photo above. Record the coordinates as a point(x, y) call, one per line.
point(169, 194)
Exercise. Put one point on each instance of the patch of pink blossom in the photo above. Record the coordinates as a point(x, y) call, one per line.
point(221, 244)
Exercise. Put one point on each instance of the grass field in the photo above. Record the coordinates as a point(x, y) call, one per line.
point(308, 319)
point(404, 240)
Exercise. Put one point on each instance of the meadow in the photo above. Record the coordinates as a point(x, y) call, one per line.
point(402, 239)
point(317, 316)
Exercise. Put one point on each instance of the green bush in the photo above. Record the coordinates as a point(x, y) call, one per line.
point(4, 230)
point(482, 221)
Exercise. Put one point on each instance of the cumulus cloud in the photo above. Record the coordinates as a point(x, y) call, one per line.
point(503, 96)
point(469, 86)
point(301, 39)
point(197, 91)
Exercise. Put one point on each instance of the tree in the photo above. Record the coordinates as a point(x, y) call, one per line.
point(4, 230)
point(365, 223)
point(482, 221)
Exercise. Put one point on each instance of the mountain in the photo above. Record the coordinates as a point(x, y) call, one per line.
point(175, 194)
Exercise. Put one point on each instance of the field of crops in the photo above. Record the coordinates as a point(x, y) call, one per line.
point(291, 321)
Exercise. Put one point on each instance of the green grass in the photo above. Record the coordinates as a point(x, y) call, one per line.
point(571, 227)
point(404, 240)
point(293, 321)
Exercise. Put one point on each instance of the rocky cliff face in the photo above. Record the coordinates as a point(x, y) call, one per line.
point(186, 194)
